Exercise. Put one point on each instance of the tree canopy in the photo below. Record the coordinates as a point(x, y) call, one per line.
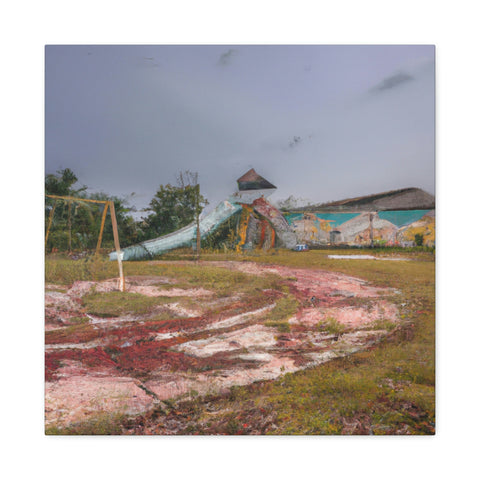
point(76, 224)
point(174, 206)
point(62, 183)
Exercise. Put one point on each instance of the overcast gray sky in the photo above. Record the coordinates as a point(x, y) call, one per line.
point(320, 122)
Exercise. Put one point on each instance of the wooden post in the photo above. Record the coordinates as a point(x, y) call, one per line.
point(197, 208)
point(117, 246)
point(50, 220)
point(69, 226)
point(76, 199)
point(371, 230)
point(304, 227)
point(104, 216)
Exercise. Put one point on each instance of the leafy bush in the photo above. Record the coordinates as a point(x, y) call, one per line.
point(418, 239)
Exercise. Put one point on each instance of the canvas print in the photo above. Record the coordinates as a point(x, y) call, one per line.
point(239, 239)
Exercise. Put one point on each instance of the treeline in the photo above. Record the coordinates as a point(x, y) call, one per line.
point(76, 224)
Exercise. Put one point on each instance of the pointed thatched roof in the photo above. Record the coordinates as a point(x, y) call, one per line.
point(253, 181)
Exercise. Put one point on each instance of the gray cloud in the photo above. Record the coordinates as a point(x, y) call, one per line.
point(226, 57)
point(150, 62)
point(296, 141)
point(391, 82)
point(121, 126)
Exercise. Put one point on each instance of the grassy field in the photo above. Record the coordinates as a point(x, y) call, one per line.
point(389, 389)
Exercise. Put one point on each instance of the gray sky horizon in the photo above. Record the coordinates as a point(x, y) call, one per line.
point(320, 122)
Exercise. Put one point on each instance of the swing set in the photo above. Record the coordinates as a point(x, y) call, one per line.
point(107, 204)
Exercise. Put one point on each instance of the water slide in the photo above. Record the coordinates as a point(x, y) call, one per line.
point(181, 238)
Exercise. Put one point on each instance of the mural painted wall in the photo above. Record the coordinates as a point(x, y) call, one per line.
point(400, 227)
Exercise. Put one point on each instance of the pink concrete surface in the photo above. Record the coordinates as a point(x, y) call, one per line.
point(77, 397)
point(212, 354)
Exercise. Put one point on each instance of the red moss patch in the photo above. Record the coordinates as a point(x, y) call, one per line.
point(174, 325)
point(132, 332)
point(146, 357)
point(91, 358)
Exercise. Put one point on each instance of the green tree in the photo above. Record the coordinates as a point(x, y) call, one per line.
point(62, 183)
point(174, 206)
point(62, 234)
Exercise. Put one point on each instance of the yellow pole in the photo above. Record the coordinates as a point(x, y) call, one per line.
point(197, 210)
point(76, 199)
point(104, 216)
point(50, 220)
point(69, 226)
point(117, 246)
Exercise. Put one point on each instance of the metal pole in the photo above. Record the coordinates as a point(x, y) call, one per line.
point(117, 246)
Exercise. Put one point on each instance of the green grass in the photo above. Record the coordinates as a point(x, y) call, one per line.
point(101, 424)
point(219, 280)
point(63, 271)
point(383, 324)
point(386, 390)
point(331, 325)
point(283, 327)
point(78, 320)
point(78, 333)
point(115, 304)
point(285, 307)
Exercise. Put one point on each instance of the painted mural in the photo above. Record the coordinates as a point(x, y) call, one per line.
point(399, 227)
point(263, 226)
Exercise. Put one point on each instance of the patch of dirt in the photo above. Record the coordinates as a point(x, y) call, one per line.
point(182, 311)
point(77, 397)
point(250, 337)
point(352, 317)
point(127, 364)
point(239, 319)
point(81, 288)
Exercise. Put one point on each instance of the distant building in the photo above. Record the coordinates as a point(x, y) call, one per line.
point(402, 199)
point(391, 218)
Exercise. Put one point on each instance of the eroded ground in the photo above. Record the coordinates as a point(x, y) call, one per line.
point(126, 353)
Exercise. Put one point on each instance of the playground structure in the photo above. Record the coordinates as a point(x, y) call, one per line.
point(108, 204)
point(260, 224)
point(263, 226)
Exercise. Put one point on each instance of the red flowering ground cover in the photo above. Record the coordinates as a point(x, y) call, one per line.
point(200, 342)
